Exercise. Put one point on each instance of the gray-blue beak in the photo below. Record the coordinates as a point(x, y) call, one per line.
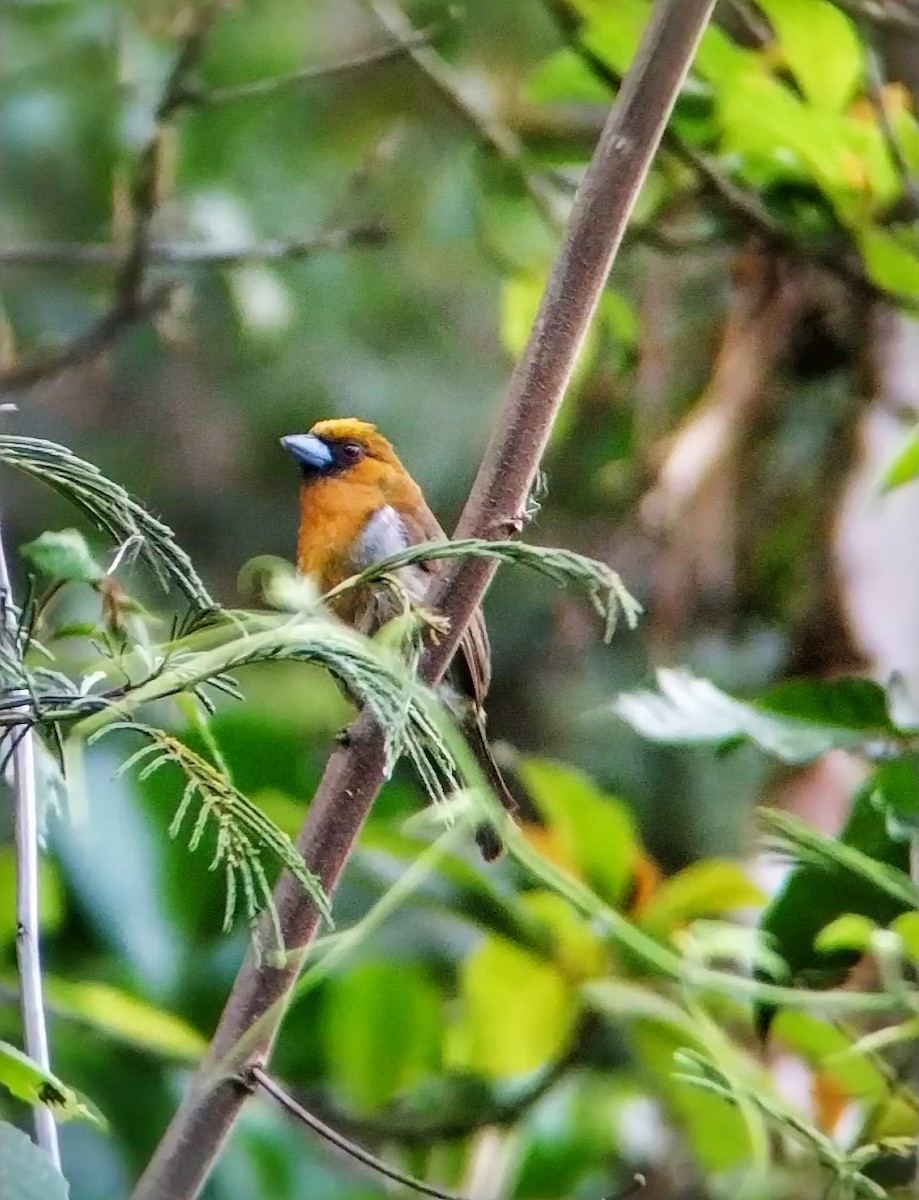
point(309, 450)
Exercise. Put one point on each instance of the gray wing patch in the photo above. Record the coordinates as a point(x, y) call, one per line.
point(383, 535)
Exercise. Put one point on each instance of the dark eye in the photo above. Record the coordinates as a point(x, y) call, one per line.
point(351, 452)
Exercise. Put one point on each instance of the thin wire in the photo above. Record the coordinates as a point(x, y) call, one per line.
point(28, 954)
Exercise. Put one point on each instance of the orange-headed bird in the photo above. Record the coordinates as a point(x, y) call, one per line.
point(359, 505)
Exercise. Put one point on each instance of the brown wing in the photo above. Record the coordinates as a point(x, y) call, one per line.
point(471, 671)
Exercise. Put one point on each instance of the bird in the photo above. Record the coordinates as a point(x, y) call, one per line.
point(358, 506)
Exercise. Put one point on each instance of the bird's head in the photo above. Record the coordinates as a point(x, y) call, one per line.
point(342, 447)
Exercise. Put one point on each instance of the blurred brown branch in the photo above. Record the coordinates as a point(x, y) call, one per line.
point(195, 254)
point(341, 66)
point(45, 364)
point(884, 14)
point(355, 773)
point(260, 1078)
point(130, 304)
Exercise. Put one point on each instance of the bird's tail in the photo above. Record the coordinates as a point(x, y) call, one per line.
point(487, 837)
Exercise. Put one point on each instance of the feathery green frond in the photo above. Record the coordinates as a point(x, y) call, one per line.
point(109, 507)
point(603, 587)
point(800, 840)
point(244, 834)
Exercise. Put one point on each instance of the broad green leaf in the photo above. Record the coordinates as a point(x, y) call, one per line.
point(613, 32)
point(897, 794)
point(576, 949)
point(826, 1048)
point(565, 76)
point(50, 896)
point(795, 723)
point(905, 466)
point(890, 259)
point(851, 931)
point(27, 1173)
point(27, 1081)
point(829, 78)
point(814, 896)
point(714, 887)
point(126, 1018)
point(597, 831)
point(519, 1012)
point(381, 1032)
point(906, 927)
point(64, 556)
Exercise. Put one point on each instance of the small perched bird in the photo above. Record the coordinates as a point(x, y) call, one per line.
point(358, 506)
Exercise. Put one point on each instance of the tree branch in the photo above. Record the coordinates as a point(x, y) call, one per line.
point(195, 254)
point(353, 777)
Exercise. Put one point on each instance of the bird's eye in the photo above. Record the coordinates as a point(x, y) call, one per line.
point(352, 452)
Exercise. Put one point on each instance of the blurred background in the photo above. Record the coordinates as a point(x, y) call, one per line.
point(347, 231)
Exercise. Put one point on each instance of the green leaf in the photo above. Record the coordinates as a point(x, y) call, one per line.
point(597, 831)
point(382, 1032)
point(575, 946)
point(119, 1015)
point(27, 1081)
point(897, 795)
point(794, 722)
point(565, 76)
point(63, 556)
point(890, 259)
point(27, 1173)
point(905, 466)
point(826, 1048)
point(813, 897)
point(829, 78)
point(711, 888)
point(50, 896)
point(851, 931)
point(519, 1013)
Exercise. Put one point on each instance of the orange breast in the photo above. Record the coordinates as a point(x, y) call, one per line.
point(332, 514)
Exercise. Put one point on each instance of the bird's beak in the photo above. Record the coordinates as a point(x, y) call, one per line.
point(309, 450)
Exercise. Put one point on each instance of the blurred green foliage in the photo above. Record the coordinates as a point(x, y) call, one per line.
point(495, 1025)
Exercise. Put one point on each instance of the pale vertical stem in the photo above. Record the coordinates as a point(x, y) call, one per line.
point(28, 957)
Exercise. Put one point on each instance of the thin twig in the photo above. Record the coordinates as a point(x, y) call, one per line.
point(85, 346)
point(130, 304)
point(287, 1102)
point(28, 954)
point(146, 187)
point(195, 254)
point(354, 775)
point(874, 90)
point(492, 133)
point(883, 14)
point(341, 66)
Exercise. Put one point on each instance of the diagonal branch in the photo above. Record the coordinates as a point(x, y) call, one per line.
point(353, 777)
